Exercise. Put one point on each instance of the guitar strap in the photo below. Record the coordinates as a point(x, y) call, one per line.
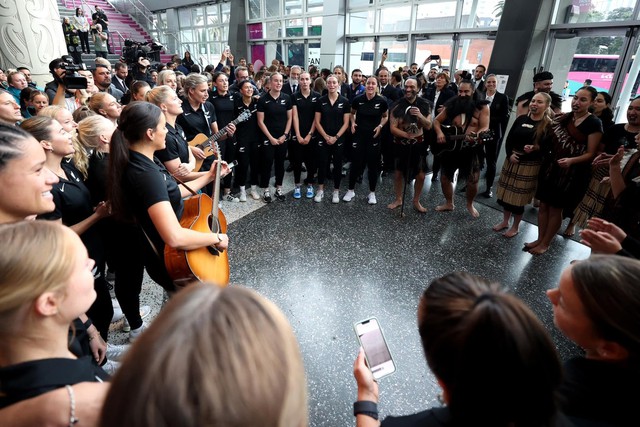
point(181, 182)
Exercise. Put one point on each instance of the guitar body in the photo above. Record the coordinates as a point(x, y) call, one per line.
point(203, 264)
point(456, 140)
point(202, 142)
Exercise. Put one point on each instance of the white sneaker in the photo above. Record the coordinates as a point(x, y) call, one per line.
point(319, 196)
point(254, 193)
point(372, 198)
point(135, 333)
point(243, 195)
point(230, 198)
point(117, 311)
point(116, 352)
point(336, 197)
point(110, 367)
point(349, 196)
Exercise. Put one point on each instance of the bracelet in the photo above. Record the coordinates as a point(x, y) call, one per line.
point(366, 407)
point(94, 336)
point(380, 126)
point(72, 406)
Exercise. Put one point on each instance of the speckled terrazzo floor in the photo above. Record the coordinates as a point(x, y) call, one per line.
point(327, 266)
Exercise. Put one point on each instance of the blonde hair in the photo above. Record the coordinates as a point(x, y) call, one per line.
point(26, 273)
point(80, 156)
point(159, 95)
point(88, 136)
point(238, 365)
point(96, 102)
point(163, 75)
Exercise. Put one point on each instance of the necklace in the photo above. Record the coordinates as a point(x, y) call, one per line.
point(579, 119)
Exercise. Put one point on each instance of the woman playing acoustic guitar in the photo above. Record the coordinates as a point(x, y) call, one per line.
point(142, 189)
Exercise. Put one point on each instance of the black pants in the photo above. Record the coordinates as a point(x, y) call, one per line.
point(243, 156)
point(364, 151)
point(491, 149)
point(327, 153)
point(309, 154)
point(296, 156)
point(84, 41)
point(272, 155)
point(388, 152)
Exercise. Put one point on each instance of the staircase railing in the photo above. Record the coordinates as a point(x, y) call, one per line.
point(143, 16)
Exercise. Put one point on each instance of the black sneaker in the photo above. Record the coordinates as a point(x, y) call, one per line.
point(266, 196)
point(279, 195)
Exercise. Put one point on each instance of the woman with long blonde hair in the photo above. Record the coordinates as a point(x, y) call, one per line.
point(239, 365)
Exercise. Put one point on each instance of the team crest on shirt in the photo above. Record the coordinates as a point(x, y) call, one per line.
point(376, 106)
point(282, 102)
point(340, 105)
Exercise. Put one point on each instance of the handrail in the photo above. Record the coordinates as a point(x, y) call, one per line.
point(120, 41)
point(142, 15)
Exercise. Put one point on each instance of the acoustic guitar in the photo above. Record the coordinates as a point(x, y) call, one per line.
point(206, 264)
point(205, 142)
point(456, 140)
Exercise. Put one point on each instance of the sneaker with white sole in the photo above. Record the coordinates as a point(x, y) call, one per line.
point(349, 196)
point(145, 310)
point(336, 197)
point(254, 193)
point(371, 199)
point(230, 198)
point(117, 311)
point(116, 352)
point(279, 195)
point(266, 196)
point(319, 196)
point(297, 194)
point(110, 367)
point(243, 196)
point(310, 192)
point(135, 333)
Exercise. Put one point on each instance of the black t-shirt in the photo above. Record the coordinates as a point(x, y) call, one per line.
point(30, 379)
point(522, 133)
point(97, 177)
point(100, 18)
point(306, 110)
point(146, 183)
point(275, 112)
point(616, 136)
point(194, 122)
point(247, 132)
point(368, 111)
point(224, 108)
point(176, 146)
point(332, 116)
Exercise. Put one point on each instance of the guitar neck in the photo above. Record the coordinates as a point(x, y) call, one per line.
point(216, 192)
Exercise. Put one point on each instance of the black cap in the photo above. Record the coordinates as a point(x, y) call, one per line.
point(55, 64)
point(544, 75)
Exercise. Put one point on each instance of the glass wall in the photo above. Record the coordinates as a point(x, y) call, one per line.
point(202, 30)
point(288, 30)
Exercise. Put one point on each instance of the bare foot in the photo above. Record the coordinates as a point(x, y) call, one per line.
point(538, 250)
point(418, 207)
point(511, 233)
point(501, 226)
point(531, 245)
point(473, 211)
point(570, 231)
point(445, 207)
point(395, 204)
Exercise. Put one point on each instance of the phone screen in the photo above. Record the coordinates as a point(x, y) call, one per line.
point(435, 57)
point(375, 348)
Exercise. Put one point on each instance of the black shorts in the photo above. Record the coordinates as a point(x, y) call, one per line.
point(468, 161)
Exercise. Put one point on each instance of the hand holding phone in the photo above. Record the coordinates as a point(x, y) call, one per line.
point(375, 347)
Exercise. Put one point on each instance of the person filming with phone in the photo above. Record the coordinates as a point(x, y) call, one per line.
point(494, 360)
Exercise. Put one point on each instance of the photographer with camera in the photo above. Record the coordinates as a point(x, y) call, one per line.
point(99, 18)
point(57, 68)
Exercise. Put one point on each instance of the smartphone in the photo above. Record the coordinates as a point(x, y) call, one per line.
point(435, 57)
point(376, 350)
point(385, 51)
point(227, 49)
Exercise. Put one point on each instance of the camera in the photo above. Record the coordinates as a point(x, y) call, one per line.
point(72, 80)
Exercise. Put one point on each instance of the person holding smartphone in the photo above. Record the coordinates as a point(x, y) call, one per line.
point(480, 343)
